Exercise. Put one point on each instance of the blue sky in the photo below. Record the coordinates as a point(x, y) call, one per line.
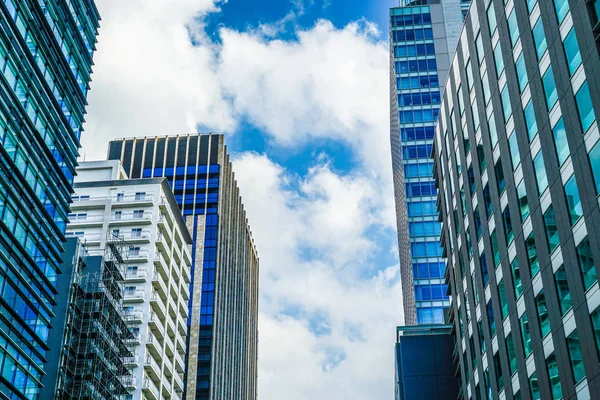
point(300, 89)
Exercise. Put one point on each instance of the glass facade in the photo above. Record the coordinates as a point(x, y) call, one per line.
point(531, 187)
point(417, 84)
point(46, 52)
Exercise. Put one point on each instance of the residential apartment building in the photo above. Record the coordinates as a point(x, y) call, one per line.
point(423, 36)
point(223, 309)
point(108, 208)
point(517, 164)
point(46, 49)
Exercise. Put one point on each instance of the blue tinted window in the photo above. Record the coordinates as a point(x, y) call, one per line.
point(562, 7)
point(540, 173)
point(486, 88)
point(572, 51)
point(493, 131)
point(506, 106)
point(532, 128)
point(550, 88)
point(514, 150)
point(573, 200)
point(513, 28)
point(539, 38)
point(491, 18)
point(521, 72)
point(585, 108)
point(498, 59)
point(595, 163)
point(560, 141)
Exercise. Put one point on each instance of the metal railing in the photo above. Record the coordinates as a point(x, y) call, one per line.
point(136, 274)
point(134, 294)
point(149, 384)
point(133, 216)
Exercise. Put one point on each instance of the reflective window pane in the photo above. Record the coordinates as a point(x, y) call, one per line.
point(573, 200)
point(550, 88)
point(521, 72)
point(586, 263)
point(532, 128)
point(540, 173)
point(551, 229)
point(575, 356)
point(562, 7)
point(523, 204)
point(560, 141)
point(564, 295)
point(572, 51)
point(539, 38)
point(513, 28)
point(554, 375)
point(584, 106)
point(542, 309)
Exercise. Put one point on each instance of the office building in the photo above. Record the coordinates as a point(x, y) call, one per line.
point(423, 36)
point(45, 64)
point(90, 337)
point(424, 363)
point(517, 165)
point(141, 216)
point(223, 326)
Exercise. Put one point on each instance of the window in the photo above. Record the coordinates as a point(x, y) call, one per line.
point(575, 356)
point(521, 72)
point(495, 250)
point(138, 214)
point(532, 255)
point(525, 334)
point(140, 196)
point(513, 28)
point(469, 74)
point(479, 44)
point(500, 176)
point(542, 309)
point(491, 16)
point(596, 325)
point(120, 196)
point(502, 297)
point(539, 37)
point(514, 150)
point(573, 200)
point(540, 173)
point(510, 349)
point(493, 131)
point(532, 128)
point(118, 214)
point(498, 59)
point(554, 375)
point(523, 204)
point(498, 370)
point(551, 229)
point(595, 163)
point(562, 7)
point(534, 387)
point(585, 108)
point(506, 106)
point(516, 275)
point(550, 88)
point(564, 295)
point(508, 228)
point(586, 263)
point(491, 320)
point(531, 4)
point(136, 232)
point(560, 141)
point(572, 51)
point(486, 88)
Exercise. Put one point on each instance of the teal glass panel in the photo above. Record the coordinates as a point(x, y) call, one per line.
point(551, 229)
point(542, 310)
point(562, 7)
point(521, 72)
point(502, 297)
point(540, 173)
point(595, 163)
point(586, 263)
point(572, 51)
point(523, 203)
point(506, 106)
point(514, 150)
point(495, 249)
point(585, 107)
point(532, 255)
point(513, 27)
point(491, 15)
point(573, 200)
point(576, 356)
point(550, 88)
point(532, 127)
point(560, 141)
point(516, 276)
point(562, 287)
point(539, 37)
point(499, 60)
point(525, 334)
point(554, 376)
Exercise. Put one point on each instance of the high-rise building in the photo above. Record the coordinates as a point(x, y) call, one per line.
point(45, 65)
point(142, 217)
point(223, 321)
point(423, 36)
point(424, 363)
point(90, 337)
point(517, 164)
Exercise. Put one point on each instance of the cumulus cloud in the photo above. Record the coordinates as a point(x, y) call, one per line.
point(330, 291)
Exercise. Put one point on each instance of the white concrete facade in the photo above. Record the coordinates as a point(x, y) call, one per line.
point(108, 207)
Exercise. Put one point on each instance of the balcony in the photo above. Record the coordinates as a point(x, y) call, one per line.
point(179, 366)
point(172, 307)
point(137, 199)
point(169, 347)
point(136, 255)
point(171, 327)
point(178, 383)
point(183, 308)
point(130, 382)
point(83, 220)
point(185, 274)
point(181, 325)
point(157, 304)
point(134, 340)
point(161, 265)
point(153, 345)
point(159, 283)
point(184, 290)
point(133, 316)
point(132, 237)
point(88, 202)
point(93, 239)
point(132, 362)
point(168, 367)
point(180, 343)
point(166, 388)
point(177, 256)
point(130, 218)
point(136, 275)
point(175, 396)
point(166, 209)
point(150, 390)
point(187, 256)
point(156, 325)
point(131, 296)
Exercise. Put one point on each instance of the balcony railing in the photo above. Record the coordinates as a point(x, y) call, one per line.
point(133, 315)
point(151, 362)
point(133, 198)
point(134, 274)
point(85, 219)
point(154, 319)
point(138, 294)
point(137, 254)
point(130, 236)
point(133, 216)
point(151, 386)
point(152, 340)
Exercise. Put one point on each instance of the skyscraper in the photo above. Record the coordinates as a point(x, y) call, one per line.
point(517, 164)
point(423, 36)
point(46, 52)
point(223, 328)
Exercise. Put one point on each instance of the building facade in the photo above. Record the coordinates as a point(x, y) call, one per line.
point(142, 216)
point(46, 52)
point(223, 321)
point(90, 337)
point(517, 164)
point(423, 36)
point(424, 363)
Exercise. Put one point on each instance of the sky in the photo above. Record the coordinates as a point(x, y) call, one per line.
point(300, 89)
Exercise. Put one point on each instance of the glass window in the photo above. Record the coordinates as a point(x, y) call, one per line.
point(554, 375)
point(469, 74)
point(514, 150)
point(539, 37)
point(510, 349)
point(494, 132)
point(550, 88)
point(585, 108)
point(479, 44)
point(486, 88)
point(516, 275)
point(540, 173)
point(498, 370)
point(498, 59)
point(542, 309)
point(534, 387)
point(491, 15)
point(491, 320)
point(573, 200)
point(575, 356)
point(531, 4)
point(508, 227)
point(525, 334)
point(523, 204)
point(532, 128)
point(586, 263)
point(572, 51)
point(596, 325)
point(513, 27)
point(551, 229)
point(595, 162)
point(502, 297)
point(564, 295)
point(506, 106)
point(562, 7)
point(521, 72)
point(495, 250)
point(560, 141)
point(532, 255)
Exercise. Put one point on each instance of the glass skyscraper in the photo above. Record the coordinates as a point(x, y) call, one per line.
point(223, 307)
point(46, 49)
point(517, 164)
point(423, 36)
